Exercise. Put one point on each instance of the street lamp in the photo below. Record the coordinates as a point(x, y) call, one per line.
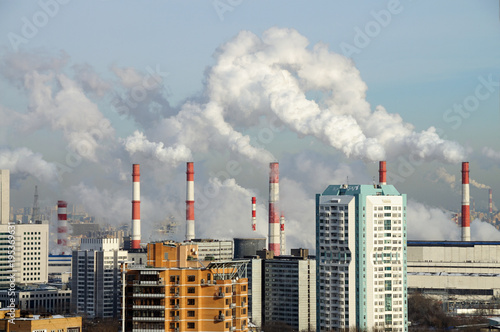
point(123, 292)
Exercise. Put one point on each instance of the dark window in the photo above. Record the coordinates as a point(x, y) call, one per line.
point(191, 278)
point(190, 302)
point(190, 325)
point(191, 290)
point(190, 313)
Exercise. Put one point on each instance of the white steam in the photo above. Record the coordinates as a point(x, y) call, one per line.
point(24, 162)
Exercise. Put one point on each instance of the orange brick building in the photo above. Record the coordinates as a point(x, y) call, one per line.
point(47, 323)
point(176, 292)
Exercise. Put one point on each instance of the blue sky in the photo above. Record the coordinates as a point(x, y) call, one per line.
point(418, 62)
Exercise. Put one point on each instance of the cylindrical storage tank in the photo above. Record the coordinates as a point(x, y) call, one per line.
point(248, 246)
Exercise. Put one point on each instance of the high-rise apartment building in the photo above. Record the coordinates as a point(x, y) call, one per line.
point(96, 279)
point(175, 292)
point(283, 289)
point(361, 258)
point(23, 254)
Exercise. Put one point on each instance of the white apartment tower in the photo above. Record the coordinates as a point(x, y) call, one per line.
point(361, 258)
point(96, 279)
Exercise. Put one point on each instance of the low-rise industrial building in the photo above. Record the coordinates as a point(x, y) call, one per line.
point(461, 274)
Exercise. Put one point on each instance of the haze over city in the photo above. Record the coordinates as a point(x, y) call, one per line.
point(326, 88)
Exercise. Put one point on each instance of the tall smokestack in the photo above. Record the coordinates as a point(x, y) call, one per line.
point(282, 235)
point(491, 201)
point(62, 227)
point(274, 220)
point(135, 238)
point(254, 214)
point(382, 173)
point(190, 202)
point(465, 202)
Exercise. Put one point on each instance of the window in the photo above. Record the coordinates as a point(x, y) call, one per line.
point(190, 302)
point(190, 313)
point(190, 325)
point(191, 290)
point(191, 278)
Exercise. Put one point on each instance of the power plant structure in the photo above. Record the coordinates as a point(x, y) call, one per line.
point(465, 202)
point(190, 235)
point(62, 227)
point(282, 235)
point(274, 219)
point(254, 214)
point(135, 237)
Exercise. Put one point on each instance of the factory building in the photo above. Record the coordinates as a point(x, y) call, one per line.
point(464, 275)
point(361, 257)
point(283, 289)
point(96, 280)
point(176, 292)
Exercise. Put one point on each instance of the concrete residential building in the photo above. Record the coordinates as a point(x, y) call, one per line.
point(96, 279)
point(39, 299)
point(29, 247)
point(209, 249)
point(463, 275)
point(283, 289)
point(361, 258)
point(176, 293)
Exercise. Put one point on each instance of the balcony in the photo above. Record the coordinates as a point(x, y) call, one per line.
point(232, 305)
point(148, 307)
point(177, 318)
point(220, 295)
point(153, 295)
point(220, 318)
point(148, 319)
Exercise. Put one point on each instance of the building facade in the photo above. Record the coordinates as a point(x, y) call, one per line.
point(173, 294)
point(27, 247)
point(38, 299)
point(283, 289)
point(210, 250)
point(463, 275)
point(361, 258)
point(96, 279)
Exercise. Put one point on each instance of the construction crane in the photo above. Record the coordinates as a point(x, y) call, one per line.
point(36, 210)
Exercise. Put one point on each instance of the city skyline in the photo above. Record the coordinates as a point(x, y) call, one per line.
point(234, 86)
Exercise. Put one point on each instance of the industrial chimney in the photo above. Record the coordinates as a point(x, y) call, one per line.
point(274, 220)
point(135, 238)
point(254, 214)
point(465, 202)
point(62, 227)
point(282, 235)
point(382, 173)
point(190, 202)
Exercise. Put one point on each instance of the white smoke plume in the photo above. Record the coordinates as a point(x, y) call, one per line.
point(23, 162)
point(490, 153)
point(138, 144)
point(430, 223)
point(483, 231)
point(446, 177)
point(478, 185)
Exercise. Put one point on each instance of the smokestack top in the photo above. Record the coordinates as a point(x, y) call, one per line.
point(465, 172)
point(382, 171)
point(136, 172)
point(274, 174)
point(62, 204)
point(190, 171)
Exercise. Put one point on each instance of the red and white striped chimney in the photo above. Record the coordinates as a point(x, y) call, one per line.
point(491, 201)
point(382, 179)
point(190, 202)
point(282, 235)
point(62, 227)
point(254, 214)
point(465, 202)
point(274, 219)
point(135, 237)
